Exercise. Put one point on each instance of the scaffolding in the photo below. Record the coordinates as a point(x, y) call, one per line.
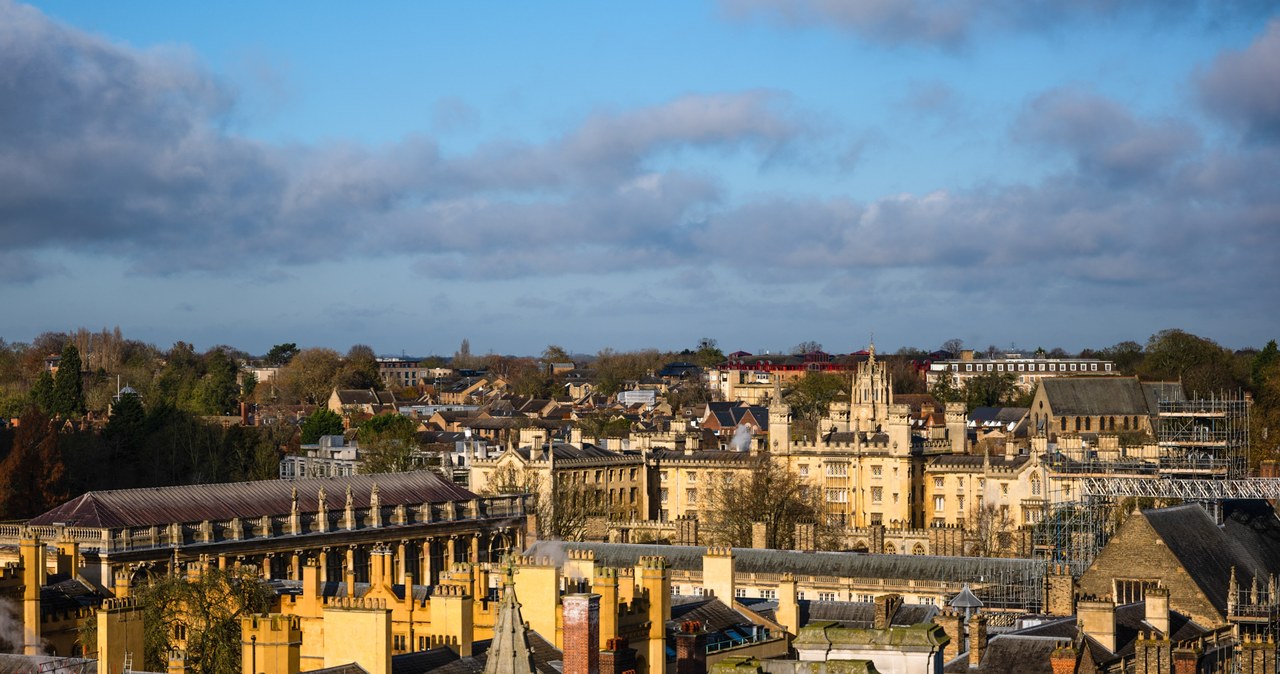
point(1204, 437)
point(1203, 457)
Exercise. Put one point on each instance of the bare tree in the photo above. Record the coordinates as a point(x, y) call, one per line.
point(771, 494)
point(992, 529)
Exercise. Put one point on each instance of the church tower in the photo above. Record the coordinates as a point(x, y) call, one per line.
point(871, 395)
point(779, 422)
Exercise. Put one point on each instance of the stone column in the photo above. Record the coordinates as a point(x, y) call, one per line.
point(475, 548)
point(449, 550)
point(424, 569)
point(324, 565)
point(401, 561)
point(295, 566)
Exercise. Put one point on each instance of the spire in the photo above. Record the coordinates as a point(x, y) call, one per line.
point(509, 652)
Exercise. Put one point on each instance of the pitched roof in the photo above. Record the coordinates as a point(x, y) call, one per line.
point(1092, 396)
point(157, 506)
point(1248, 541)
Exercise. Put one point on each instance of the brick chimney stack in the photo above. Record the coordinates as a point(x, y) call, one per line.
point(691, 649)
point(581, 633)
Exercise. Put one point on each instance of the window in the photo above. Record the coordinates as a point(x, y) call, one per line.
point(877, 494)
point(599, 476)
point(917, 549)
point(697, 591)
point(937, 483)
point(877, 519)
point(826, 596)
point(692, 477)
point(837, 496)
point(939, 504)
point(877, 471)
point(768, 594)
point(960, 483)
point(837, 470)
point(1073, 367)
point(1107, 367)
point(889, 549)
point(691, 495)
point(968, 367)
point(1129, 591)
point(663, 495)
point(1004, 488)
point(739, 591)
point(633, 473)
point(927, 601)
point(398, 642)
point(1035, 485)
point(804, 470)
point(662, 476)
point(1000, 367)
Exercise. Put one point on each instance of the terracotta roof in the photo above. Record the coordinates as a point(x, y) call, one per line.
point(158, 506)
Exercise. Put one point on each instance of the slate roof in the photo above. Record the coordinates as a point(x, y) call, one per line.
point(63, 593)
point(1130, 624)
point(349, 668)
point(157, 506)
point(725, 455)
point(841, 564)
point(1008, 654)
point(1249, 540)
point(547, 659)
point(1093, 396)
point(998, 415)
point(858, 614)
point(422, 662)
point(364, 396)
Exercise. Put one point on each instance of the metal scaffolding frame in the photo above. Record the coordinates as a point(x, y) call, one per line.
point(1204, 458)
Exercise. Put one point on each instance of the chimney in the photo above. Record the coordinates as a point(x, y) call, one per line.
point(788, 613)
point(886, 606)
point(617, 657)
point(977, 638)
point(691, 648)
point(951, 622)
point(1063, 660)
point(759, 535)
point(717, 573)
point(1097, 618)
point(1060, 586)
point(1157, 602)
point(581, 624)
point(1185, 660)
point(31, 549)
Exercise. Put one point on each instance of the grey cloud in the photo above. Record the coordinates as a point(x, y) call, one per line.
point(129, 154)
point(1243, 87)
point(1105, 139)
point(952, 24)
point(453, 114)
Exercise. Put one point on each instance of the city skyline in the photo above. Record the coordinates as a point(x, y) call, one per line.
point(640, 175)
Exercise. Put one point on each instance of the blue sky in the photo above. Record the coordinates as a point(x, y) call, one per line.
point(635, 175)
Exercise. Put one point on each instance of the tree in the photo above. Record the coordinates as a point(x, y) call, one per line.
point(216, 393)
point(33, 475)
point(1261, 365)
point(127, 424)
point(1127, 356)
point(42, 392)
point(811, 396)
point(992, 529)
point(310, 375)
point(990, 389)
point(601, 424)
point(323, 421)
point(462, 358)
point(1203, 367)
point(207, 609)
point(388, 443)
point(947, 390)
point(767, 493)
point(953, 346)
point(708, 353)
point(68, 387)
point(554, 353)
point(562, 510)
point(359, 369)
point(806, 347)
point(281, 354)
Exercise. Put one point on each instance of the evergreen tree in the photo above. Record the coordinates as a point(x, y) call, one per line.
point(127, 426)
point(68, 387)
point(323, 421)
point(42, 392)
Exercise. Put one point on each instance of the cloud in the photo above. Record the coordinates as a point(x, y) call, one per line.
point(1243, 87)
point(128, 153)
point(1106, 141)
point(952, 24)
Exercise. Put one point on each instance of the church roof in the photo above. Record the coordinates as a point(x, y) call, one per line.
point(159, 506)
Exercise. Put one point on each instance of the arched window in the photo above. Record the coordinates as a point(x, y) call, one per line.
point(1088, 423)
point(918, 549)
point(1111, 423)
point(1035, 485)
point(1126, 423)
point(1077, 424)
point(889, 549)
point(1064, 423)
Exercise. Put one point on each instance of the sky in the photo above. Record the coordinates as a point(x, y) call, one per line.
point(627, 175)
